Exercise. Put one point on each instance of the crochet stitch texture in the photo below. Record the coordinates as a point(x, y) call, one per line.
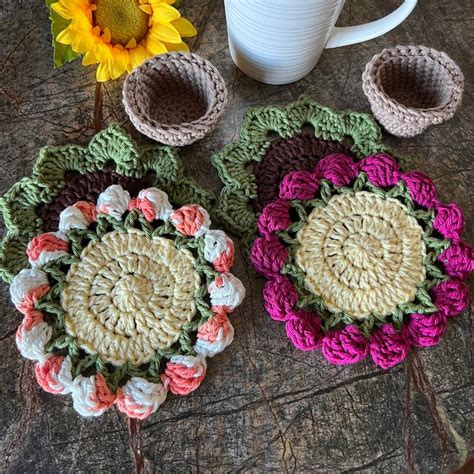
point(248, 189)
point(362, 259)
point(67, 174)
point(125, 300)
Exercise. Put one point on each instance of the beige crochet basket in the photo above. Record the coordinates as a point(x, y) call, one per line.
point(412, 87)
point(175, 98)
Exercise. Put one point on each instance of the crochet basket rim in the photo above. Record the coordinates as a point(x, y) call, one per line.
point(181, 133)
point(375, 93)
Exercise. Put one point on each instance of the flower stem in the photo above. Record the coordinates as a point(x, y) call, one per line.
point(98, 103)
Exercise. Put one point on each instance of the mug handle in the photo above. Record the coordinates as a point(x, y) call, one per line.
point(343, 36)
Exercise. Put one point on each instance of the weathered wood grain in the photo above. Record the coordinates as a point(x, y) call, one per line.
point(264, 406)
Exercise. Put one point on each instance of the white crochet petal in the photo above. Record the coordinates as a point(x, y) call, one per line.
point(113, 201)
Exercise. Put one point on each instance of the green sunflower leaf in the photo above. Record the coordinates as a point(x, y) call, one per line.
point(62, 53)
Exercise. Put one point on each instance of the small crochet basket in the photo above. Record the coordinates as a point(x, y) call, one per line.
point(412, 87)
point(175, 98)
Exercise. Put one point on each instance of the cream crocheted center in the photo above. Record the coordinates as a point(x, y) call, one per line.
point(362, 254)
point(129, 296)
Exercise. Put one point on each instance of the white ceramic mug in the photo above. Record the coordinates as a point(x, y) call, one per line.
point(280, 41)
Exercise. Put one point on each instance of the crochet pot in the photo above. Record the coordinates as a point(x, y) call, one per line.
point(175, 98)
point(412, 87)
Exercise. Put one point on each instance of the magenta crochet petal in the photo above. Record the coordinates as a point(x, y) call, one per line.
point(388, 347)
point(426, 330)
point(345, 346)
point(449, 220)
point(268, 255)
point(304, 330)
point(280, 297)
point(381, 170)
point(339, 169)
point(299, 185)
point(451, 297)
point(458, 260)
point(275, 217)
point(422, 190)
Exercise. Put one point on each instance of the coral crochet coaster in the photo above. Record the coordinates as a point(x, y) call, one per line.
point(275, 141)
point(68, 174)
point(361, 259)
point(124, 301)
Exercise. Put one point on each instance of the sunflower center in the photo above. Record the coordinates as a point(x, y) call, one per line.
point(123, 18)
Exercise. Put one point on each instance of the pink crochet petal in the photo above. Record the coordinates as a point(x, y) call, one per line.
point(338, 168)
point(388, 347)
point(268, 255)
point(449, 221)
point(345, 346)
point(426, 330)
point(304, 330)
point(421, 189)
point(381, 169)
point(299, 185)
point(280, 297)
point(451, 297)
point(275, 217)
point(458, 260)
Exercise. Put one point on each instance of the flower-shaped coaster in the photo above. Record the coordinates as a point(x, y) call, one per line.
point(362, 259)
point(124, 301)
point(279, 140)
point(68, 174)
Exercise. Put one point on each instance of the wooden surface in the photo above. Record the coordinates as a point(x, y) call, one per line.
point(263, 406)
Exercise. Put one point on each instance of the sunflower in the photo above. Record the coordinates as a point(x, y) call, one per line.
point(119, 35)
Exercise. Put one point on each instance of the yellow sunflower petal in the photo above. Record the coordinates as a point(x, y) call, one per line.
point(90, 58)
point(164, 13)
point(184, 27)
point(156, 2)
point(69, 9)
point(103, 51)
point(164, 32)
point(137, 56)
point(83, 42)
point(131, 44)
point(67, 36)
point(177, 47)
point(107, 36)
point(81, 21)
point(147, 9)
point(118, 63)
point(155, 46)
point(103, 73)
point(65, 11)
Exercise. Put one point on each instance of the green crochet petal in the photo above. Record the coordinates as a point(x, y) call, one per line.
point(111, 148)
point(234, 162)
point(17, 205)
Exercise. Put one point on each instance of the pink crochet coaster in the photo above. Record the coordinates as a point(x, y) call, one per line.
point(362, 259)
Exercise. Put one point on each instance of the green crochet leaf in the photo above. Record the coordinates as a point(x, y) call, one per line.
point(62, 53)
point(111, 150)
point(233, 163)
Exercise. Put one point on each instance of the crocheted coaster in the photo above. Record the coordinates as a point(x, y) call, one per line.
point(125, 300)
point(362, 259)
point(68, 174)
point(247, 189)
